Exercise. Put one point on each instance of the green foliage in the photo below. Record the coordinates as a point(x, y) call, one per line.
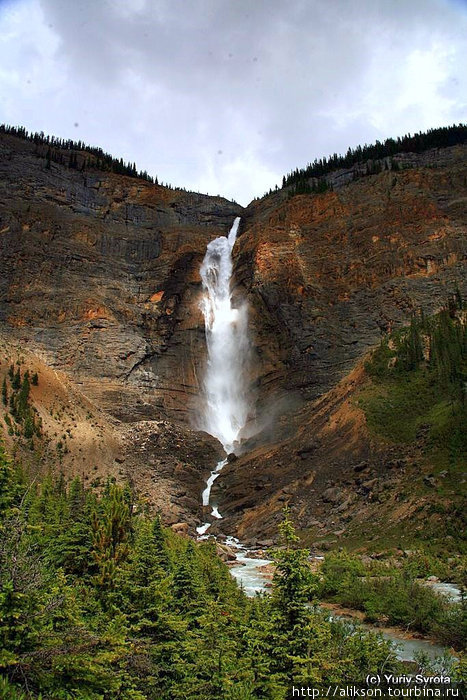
point(11, 484)
point(16, 380)
point(27, 422)
point(420, 375)
point(294, 584)
point(305, 186)
point(9, 691)
point(341, 572)
point(99, 601)
point(111, 530)
point(451, 628)
point(298, 640)
point(75, 154)
point(417, 397)
point(395, 596)
point(410, 352)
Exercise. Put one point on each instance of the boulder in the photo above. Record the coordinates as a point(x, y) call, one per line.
point(332, 495)
point(180, 529)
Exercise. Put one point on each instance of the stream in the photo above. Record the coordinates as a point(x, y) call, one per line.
point(252, 579)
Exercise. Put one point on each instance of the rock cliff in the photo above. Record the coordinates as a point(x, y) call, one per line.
point(100, 275)
point(99, 281)
point(327, 274)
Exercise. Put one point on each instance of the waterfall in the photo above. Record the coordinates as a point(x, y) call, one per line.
point(226, 408)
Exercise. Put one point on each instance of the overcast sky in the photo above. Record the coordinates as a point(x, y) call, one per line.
point(225, 96)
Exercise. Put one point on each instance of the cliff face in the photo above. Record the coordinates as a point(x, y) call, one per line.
point(326, 275)
point(99, 273)
point(99, 282)
point(329, 273)
point(99, 279)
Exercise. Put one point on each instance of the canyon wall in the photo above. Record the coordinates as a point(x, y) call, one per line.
point(328, 274)
point(100, 274)
point(99, 279)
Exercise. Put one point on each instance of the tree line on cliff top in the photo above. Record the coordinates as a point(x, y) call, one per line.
point(311, 178)
point(77, 154)
point(441, 137)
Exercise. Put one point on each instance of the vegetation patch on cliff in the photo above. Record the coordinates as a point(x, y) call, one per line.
point(417, 400)
point(418, 390)
point(374, 158)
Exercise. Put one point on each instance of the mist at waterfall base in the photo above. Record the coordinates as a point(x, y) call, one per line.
point(227, 404)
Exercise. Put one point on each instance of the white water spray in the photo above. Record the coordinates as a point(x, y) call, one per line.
point(226, 406)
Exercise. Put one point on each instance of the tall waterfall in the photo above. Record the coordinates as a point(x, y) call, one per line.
point(226, 404)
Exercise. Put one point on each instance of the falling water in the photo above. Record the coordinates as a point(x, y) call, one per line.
point(226, 406)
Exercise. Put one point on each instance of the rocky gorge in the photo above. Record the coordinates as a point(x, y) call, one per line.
point(100, 290)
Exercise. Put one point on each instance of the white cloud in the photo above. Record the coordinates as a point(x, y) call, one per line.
point(228, 95)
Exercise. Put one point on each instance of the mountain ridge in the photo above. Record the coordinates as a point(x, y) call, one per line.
point(391, 154)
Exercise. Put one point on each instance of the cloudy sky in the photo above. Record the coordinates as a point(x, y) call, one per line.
point(225, 96)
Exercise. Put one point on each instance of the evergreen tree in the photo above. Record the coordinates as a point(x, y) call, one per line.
point(16, 380)
point(111, 525)
point(28, 429)
point(411, 351)
point(97, 600)
point(23, 398)
point(159, 544)
point(293, 584)
point(188, 590)
point(10, 483)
